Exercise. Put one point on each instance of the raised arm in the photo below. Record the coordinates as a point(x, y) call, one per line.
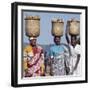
point(66, 35)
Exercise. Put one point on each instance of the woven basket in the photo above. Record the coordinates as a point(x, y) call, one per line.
point(32, 26)
point(57, 27)
point(74, 27)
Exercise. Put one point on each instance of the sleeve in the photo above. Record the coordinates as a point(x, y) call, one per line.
point(25, 50)
point(78, 49)
point(25, 53)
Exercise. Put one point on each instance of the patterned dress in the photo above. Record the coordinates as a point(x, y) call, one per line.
point(33, 61)
point(59, 60)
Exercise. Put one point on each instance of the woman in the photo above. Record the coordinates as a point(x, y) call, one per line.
point(34, 59)
point(59, 60)
point(75, 62)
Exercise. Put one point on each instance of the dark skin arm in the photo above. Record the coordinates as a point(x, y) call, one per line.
point(67, 69)
point(66, 35)
point(51, 60)
point(78, 59)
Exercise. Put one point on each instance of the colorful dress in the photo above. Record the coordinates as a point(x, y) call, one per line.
point(33, 61)
point(59, 60)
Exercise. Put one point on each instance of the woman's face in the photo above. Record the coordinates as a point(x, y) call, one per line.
point(33, 42)
point(57, 40)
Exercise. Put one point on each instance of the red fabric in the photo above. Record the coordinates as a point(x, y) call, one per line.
point(35, 50)
point(33, 63)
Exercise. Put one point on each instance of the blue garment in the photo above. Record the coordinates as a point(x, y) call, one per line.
point(58, 60)
point(56, 50)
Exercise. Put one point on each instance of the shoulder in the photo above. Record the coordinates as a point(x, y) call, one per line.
point(28, 48)
point(66, 47)
point(78, 45)
point(62, 47)
point(78, 49)
point(55, 47)
point(39, 47)
point(52, 47)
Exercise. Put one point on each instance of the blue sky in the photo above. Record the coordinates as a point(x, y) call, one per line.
point(46, 25)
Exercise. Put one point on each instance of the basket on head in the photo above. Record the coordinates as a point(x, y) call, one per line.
point(32, 26)
point(57, 27)
point(74, 27)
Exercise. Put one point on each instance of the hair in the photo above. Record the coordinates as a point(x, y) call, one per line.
point(56, 37)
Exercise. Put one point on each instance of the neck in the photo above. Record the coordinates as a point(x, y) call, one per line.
point(58, 44)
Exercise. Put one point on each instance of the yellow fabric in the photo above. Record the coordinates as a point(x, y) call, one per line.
point(42, 68)
point(25, 64)
point(27, 49)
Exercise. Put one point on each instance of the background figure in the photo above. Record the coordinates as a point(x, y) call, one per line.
point(33, 59)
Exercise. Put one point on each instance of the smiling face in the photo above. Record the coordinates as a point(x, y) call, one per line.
point(57, 40)
point(73, 40)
